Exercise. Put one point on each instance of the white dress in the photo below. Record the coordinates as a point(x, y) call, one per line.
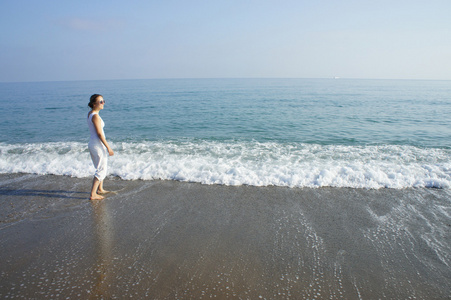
point(99, 153)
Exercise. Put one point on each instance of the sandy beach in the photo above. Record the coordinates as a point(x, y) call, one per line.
point(175, 240)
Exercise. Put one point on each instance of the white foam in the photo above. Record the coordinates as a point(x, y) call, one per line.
point(243, 163)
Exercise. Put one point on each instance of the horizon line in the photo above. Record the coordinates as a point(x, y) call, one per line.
point(216, 78)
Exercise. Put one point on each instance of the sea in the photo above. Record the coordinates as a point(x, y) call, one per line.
point(297, 133)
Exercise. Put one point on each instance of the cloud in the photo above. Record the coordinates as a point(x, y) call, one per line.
point(96, 25)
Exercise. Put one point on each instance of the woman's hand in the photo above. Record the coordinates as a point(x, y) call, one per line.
point(110, 151)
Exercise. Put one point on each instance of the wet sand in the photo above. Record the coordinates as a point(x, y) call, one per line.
point(173, 240)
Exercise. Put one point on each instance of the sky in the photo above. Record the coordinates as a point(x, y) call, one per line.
point(50, 40)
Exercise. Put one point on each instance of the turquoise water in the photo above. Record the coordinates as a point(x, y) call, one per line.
point(293, 132)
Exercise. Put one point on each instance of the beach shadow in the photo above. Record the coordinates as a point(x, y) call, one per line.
point(41, 193)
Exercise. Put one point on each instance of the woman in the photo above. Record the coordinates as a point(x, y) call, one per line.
point(98, 146)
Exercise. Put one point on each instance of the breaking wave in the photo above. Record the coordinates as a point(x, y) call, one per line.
point(243, 163)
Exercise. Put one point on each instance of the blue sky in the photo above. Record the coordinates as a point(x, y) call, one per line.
point(91, 40)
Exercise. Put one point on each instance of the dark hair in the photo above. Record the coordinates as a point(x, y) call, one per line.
point(93, 100)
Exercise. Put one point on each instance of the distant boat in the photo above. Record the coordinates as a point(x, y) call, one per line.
point(336, 77)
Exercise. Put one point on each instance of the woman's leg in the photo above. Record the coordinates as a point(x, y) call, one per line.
point(95, 186)
point(99, 158)
point(101, 190)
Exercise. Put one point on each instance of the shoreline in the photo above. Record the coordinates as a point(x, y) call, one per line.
point(169, 239)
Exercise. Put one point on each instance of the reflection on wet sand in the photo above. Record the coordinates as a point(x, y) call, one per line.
point(104, 243)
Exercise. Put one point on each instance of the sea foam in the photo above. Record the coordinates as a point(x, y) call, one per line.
point(243, 163)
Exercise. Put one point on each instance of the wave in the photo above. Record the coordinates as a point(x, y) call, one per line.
point(243, 163)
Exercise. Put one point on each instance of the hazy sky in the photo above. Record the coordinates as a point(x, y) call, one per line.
point(88, 40)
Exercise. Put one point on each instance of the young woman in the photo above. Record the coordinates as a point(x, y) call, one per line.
point(98, 146)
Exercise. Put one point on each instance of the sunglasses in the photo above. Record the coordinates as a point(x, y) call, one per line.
point(102, 101)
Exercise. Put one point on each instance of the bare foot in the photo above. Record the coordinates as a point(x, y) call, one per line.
point(102, 192)
point(96, 197)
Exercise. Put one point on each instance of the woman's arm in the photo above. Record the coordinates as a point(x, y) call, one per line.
point(98, 126)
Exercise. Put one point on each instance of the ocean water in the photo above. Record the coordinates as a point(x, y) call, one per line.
point(262, 132)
